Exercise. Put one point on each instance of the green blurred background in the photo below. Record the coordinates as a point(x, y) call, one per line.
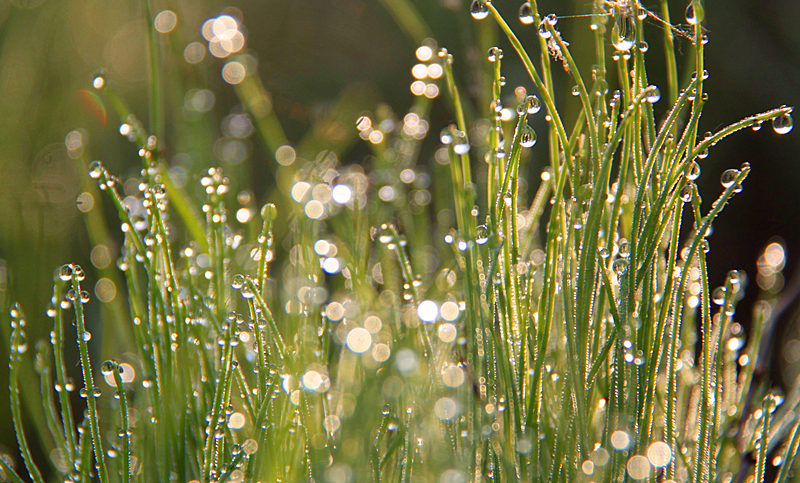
point(323, 62)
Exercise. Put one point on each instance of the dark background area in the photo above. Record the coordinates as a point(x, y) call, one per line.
point(308, 52)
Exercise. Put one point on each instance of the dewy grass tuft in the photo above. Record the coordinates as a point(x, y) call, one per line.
point(547, 327)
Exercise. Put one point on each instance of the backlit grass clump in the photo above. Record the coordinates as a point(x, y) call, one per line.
point(501, 304)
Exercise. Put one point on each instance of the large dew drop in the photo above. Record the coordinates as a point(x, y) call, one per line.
point(694, 13)
point(526, 13)
point(533, 104)
point(728, 177)
point(481, 234)
point(528, 137)
point(782, 124)
point(623, 33)
point(479, 10)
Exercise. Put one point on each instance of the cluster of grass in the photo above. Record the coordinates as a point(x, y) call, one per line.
point(451, 320)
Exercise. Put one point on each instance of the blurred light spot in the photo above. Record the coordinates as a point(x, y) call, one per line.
point(105, 290)
point(431, 91)
point(381, 352)
point(236, 420)
point(314, 209)
point(418, 88)
point(85, 202)
point(386, 193)
point(127, 374)
point(424, 53)
point(359, 340)
point(234, 72)
point(447, 332)
point(419, 71)
point(100, 256)
point(312, 380)
point(428, 311)
point(373, 324)
point(285, 155)
point(406, 361)
point(449, 311)
point(199, 100)
point(331, 265)
point(194, 53)
point(250, 446)
point(445, 408)
point(334, 311)
point(375, 136)
point(452, 376)
point(638, 467)
point(620, 440)
point(659, 454)
point(435, 71)
point(243, 215)
point(165, 21)
point(341, 194)
point(299, 191)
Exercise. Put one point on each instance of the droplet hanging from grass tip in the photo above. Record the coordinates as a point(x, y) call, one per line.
point(783, 123)
point(526, 13)
point(623, 33)
point(479, 9)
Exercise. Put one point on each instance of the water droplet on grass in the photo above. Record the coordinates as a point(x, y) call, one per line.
point(533, 104)
point(728, 177)
point(479, 10)
point(653, 94)
point(526, 13)
point(782, 124)
point(527, 137)
point(694, 15)
point(623, 33)
point(481, 234)
point(687, 192)
point(692, 171)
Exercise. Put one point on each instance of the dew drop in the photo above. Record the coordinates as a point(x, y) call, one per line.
point(782, 124)
point(623, 33)
point(653, 94)
point(694, 14)
point(527, 137)
point(99, 81)
point(237, 282)
point(728, 177)
point(692, 171)
point(495, 54)
point(65, 273)
point(734, 277)
point(481, 234)
point(533, 103)
point(460, 144)
point(95, 169)
point(526, 13)
point(687, 192)
point(718, 295)
point(576, 90)
point(479, 10)
point(446, 136)
point(107, 367)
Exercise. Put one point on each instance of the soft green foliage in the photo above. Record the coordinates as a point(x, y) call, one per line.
point(568, 333)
